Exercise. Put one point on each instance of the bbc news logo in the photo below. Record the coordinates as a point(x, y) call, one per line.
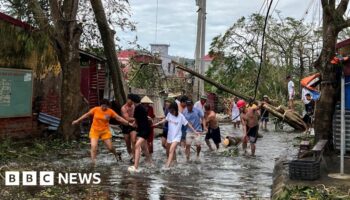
point(47, 178)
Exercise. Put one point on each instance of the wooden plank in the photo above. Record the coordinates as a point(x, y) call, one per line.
point(320, 145)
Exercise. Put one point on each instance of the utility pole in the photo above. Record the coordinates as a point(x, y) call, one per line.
point(203, 20)
point(200, 48)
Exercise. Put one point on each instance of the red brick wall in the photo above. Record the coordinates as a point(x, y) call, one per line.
point(50, 104)
point(18, 127)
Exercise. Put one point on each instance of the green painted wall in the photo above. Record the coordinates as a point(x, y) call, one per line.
point(16, 92)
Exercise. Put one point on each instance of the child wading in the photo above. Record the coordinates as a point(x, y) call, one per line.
point(175, 122)
point(100, 128)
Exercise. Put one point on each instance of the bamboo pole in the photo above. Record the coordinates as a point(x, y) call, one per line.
point(290, 117)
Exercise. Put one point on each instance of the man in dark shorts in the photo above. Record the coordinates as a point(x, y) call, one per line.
point(211, 126)
point(264, 114)
point(250, 124)
point(309, 109)
point(129, 132)
point(143, 130)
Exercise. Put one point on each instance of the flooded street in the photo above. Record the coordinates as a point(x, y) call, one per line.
point(213, 177)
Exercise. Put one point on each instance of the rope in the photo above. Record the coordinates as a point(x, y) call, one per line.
point(262, 50)
point(284, 114)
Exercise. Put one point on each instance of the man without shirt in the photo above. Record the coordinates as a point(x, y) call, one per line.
point(250, 125)
point(211, 126)
point(129, 132)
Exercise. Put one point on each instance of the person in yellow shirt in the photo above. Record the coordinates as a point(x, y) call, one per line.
point(100, 128)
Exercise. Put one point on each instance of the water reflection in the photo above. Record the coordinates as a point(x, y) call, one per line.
point(215, 177)
point(132, 187)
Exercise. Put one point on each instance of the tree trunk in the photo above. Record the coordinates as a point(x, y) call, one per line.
point(302, 67)
point(67, 48)
point(329, 87)
point(109, 50)
point(64, 33)
point(324, 112)
point(333, 23)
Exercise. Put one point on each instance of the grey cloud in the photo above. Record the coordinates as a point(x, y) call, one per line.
point(177, 20)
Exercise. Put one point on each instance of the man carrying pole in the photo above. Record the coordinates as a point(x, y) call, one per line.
point(250, 125)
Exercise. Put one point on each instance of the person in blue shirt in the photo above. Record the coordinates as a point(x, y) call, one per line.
point(194, 116)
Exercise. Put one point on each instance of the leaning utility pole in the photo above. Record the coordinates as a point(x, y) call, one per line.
point(203, 20)
point(200, 47)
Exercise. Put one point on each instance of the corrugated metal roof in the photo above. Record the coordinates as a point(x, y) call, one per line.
point(15, 22)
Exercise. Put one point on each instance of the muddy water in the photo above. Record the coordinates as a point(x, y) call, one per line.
point(214, 176)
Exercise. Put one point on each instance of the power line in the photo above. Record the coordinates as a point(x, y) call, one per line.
point(251, 37)
point(275, 7)
point(262, 6)
point(262, 50)
point(307, 10)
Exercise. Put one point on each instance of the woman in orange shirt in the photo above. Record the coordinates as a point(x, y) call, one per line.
point(100, 128)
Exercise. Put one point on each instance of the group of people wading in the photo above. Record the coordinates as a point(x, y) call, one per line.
point(184, 124)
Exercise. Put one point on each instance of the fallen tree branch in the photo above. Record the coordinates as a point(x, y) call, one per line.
point(290, 117)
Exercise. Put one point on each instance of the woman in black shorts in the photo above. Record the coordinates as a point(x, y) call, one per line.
point(143, 130)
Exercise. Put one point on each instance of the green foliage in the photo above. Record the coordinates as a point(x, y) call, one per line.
point(231, 152)
point(11, 150)
point(146, 76)
point(313, 193)
point(26, 49)
point(290, 46)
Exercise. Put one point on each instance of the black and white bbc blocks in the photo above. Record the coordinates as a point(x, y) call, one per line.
point(29, 178)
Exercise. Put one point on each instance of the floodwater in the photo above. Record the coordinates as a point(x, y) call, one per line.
point(213, 177)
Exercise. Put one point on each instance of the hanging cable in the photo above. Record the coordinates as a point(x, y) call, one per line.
point(307, 10)
point(275, 7)
point(262, 8)
point(262, 50)
point(251, 37)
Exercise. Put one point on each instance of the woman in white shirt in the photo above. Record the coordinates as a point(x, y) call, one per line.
point(235, 114)
point(175, 121)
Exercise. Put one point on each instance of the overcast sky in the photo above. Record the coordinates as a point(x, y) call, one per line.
point(177, 20)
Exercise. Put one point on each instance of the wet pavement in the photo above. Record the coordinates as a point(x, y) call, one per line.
point(213, 177)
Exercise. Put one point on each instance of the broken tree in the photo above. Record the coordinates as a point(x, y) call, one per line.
point(107, 37)
point(64, 32)
point(290, 117)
